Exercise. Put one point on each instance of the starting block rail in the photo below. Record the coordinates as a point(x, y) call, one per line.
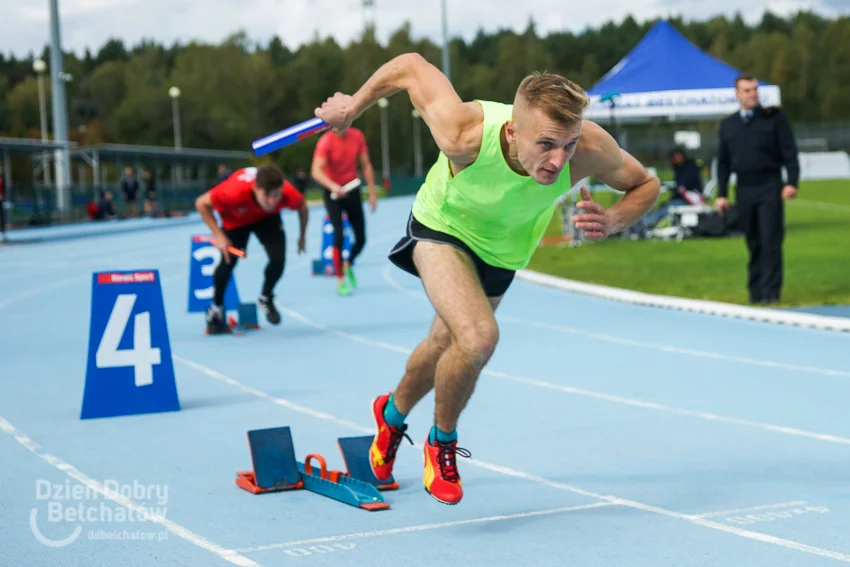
point(275, 469)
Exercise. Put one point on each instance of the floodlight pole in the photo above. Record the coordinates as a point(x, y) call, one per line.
point(60, 114)
point(446, 70)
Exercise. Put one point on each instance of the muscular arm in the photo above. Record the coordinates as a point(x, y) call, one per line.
point(203, 204)
point(599, 155)
point(318, 172)
point(456, 126)
point(368, 173)
point(303, 215)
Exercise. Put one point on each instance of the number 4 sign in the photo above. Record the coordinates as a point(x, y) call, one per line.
point(129, 369)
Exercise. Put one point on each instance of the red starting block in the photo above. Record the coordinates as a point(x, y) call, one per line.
point(275, 469)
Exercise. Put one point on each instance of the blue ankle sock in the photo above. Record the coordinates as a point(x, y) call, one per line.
point(392, 415)
point(442, 436)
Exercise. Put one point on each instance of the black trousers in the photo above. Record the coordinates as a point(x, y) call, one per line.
point(351, 205)
point(2, 215)
point(761, 217)
point(269, 232)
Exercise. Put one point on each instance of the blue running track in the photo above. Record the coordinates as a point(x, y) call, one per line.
point(602, 433)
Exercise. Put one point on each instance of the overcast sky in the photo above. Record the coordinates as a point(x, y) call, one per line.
point(24, 26)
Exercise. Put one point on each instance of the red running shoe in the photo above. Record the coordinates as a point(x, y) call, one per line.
point(386, 442)
point(442, 480)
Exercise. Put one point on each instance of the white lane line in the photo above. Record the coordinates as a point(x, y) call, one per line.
point(639, 344)
point(39, 290)
point(679, 350)
point(752, 509)
point(588, 393)
point(25, 441)
point(706, 523)
point(69, 282)
point(678, 411)
point(424, 527)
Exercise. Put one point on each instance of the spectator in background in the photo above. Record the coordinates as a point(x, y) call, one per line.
point(130, 188)
point(755, 143)
point(223, 172)
point(106, 208)
point(687, 179)
point(151, 203)
point(300, 180)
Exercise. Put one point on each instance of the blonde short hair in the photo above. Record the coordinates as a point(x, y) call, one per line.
point(561, 99)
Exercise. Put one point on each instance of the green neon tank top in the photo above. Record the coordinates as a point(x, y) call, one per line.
point(500, 214)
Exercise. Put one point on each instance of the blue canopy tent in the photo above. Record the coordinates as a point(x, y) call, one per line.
point(667, 76)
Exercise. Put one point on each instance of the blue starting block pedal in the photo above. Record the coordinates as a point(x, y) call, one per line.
point(276, 469)
point(247, 317)
point(273, 461)
point(319, 268)
point(355, 454)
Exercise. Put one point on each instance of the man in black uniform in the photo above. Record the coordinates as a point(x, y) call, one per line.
point(755, 143)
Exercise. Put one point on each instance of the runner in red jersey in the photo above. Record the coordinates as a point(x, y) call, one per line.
point(250, 201)
point(335, 161)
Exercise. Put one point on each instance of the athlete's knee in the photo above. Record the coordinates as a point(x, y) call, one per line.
point(277, 256)
point(439, 339)
point(478, 341)
point(224, 269)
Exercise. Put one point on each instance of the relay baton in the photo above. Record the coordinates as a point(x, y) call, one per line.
point(289, 136)
point(348, 187)
point(236, 251)
point(232, 249)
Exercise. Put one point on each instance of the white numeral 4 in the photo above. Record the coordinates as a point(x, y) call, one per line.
point(141, 357)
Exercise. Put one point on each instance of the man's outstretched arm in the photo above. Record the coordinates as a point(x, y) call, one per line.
point(455, 125)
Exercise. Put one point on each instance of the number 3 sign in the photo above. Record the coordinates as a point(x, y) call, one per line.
point(129, 368)
point(204, 260)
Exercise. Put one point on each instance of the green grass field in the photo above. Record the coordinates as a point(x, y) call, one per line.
point(816, 256)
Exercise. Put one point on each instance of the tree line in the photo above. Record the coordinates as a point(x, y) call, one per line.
point(237, 91)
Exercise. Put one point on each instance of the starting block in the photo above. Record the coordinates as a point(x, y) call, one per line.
point(275, 469)
point(355, 454)
point(319, 267)
point(247, 317)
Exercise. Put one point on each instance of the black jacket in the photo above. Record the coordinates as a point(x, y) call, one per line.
point(757, 149)
point(688, 176)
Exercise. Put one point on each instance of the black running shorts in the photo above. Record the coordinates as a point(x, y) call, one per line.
point(495, 281)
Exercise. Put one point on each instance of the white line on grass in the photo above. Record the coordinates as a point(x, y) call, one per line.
point(757, 536)
point(25, 441)
point(821, 205)
point(639, 344)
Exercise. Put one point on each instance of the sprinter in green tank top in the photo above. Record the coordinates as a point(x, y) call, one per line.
point(476, 220)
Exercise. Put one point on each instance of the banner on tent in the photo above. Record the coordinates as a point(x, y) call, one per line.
point(673, 103)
